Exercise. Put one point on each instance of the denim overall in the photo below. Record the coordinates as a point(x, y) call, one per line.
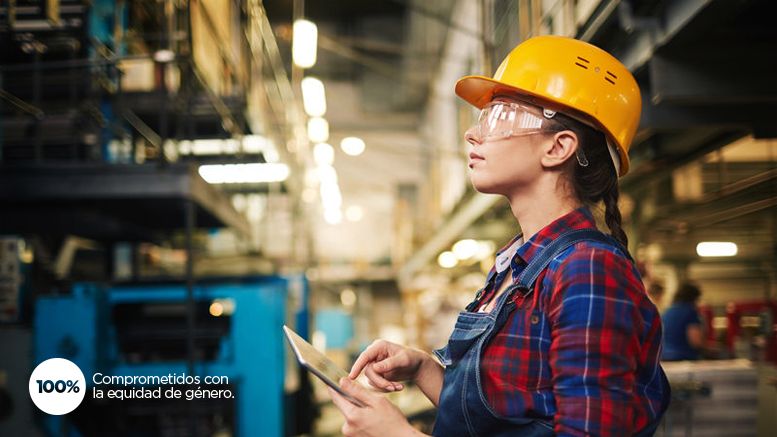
point(463, 409)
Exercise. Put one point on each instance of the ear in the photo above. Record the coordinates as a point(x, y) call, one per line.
point(562, 148)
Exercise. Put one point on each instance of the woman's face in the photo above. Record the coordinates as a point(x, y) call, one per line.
point(501, 165)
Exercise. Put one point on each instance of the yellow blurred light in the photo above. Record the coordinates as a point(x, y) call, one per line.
point(318, 130)
point(323, 154)
point(352, 146)
point(216, 309)
point(465, 249)
point(716, 248)
point(348, 297)
point(447, 260)
point(244, 173)
point(313, 97)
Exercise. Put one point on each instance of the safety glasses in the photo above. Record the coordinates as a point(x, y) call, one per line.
point(500, 120)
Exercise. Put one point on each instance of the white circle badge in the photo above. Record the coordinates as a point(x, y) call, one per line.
point(57, 386)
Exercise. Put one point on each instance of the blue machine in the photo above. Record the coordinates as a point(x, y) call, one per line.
point(141, 330)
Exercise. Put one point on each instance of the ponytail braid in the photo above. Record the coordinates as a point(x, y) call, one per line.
point(612, 216)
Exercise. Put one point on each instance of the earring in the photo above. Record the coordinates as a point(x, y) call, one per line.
point(581, 159)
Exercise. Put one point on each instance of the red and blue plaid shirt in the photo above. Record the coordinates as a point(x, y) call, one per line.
point(583, 347)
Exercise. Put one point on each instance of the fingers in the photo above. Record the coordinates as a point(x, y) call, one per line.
point(356, 390)
point(373, 352)
point(378, 381)
point(344, 405)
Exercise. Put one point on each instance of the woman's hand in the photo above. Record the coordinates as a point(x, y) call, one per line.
point(385, 364)
point(378, 418)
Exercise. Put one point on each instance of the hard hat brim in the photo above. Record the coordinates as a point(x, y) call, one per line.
point(478, 91)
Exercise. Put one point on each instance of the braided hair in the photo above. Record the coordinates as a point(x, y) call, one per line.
point(598, 181)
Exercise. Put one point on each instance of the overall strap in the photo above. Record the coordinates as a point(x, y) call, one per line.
point(537, 265)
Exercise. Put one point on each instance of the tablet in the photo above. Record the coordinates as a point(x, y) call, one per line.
point(318, 364)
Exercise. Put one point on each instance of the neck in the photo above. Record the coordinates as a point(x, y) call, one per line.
point(534, 208)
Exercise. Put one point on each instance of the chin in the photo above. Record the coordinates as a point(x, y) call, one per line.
point(485, 187)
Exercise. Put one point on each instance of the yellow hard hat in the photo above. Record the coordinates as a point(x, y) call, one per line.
point(572, 77)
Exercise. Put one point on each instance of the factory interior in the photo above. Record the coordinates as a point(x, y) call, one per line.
point(181, 178)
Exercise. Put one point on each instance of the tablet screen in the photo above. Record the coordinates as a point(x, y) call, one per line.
point(317, 363)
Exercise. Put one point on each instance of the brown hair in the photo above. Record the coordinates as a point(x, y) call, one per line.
point(598, 181)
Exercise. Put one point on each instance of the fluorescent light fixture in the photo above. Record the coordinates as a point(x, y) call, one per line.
point(304, 43)
point(330, 196)
point(184, 147)
point(354, 213)
point(447, 260)
point(164, 56)
point(244, 173)
point(210, 146)
point(255, 144)
point(313, 97)
point(333, 216)
point(716, 248)
point(318, 130)
point(327, 175)
point(465, 249)
point(230, 146)
point(352, 146)
point(324, 154)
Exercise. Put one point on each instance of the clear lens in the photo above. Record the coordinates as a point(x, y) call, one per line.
point(505, 119)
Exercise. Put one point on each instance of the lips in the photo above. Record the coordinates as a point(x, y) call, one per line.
point(473, 158)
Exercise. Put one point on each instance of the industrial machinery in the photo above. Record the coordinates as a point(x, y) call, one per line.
point(126, 330)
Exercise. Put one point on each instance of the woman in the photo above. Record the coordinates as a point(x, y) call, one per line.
point(563, 338)
point(683, 332)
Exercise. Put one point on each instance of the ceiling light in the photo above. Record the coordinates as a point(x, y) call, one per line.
point(352, 146)
point(324, 154)
point(716, 248)
point(263, 145)
point(465, 249)
point(318, 130)
point(304, 43)
point(313, 97)
point(164, 56)
point(447, 260)
point(354, 213)
point(327, 175)
point(244, 173)
point(331, 197)
point(333, 216)
point(347, 297)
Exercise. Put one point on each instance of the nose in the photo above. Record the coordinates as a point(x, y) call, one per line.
point(472, 137)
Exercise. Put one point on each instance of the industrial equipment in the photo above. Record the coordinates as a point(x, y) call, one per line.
point(126, 330)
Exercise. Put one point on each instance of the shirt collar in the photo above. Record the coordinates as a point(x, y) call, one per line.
point(506, 254)
point(580, 218)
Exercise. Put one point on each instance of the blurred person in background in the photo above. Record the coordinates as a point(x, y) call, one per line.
point(683, 331)
point(562, 339)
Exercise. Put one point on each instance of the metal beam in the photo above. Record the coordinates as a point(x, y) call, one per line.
point(666, 117)
point(645, 40)
point(715, 77)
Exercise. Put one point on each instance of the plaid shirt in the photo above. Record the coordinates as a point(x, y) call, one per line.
point(583, 347)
